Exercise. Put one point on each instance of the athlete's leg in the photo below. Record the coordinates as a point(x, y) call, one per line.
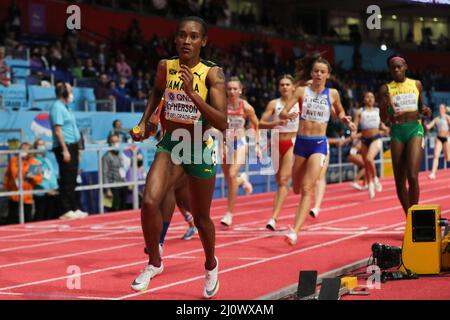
point(182, 199)
point(283, 175)
point(414, 152)
point(231, 173)
point(358, 160)
point(158, 183)
point(297, 173)
point(167, 208)
point(368, 176)
point(321, 185)
point(312, 172)
point(446, 149)
point(398, 154)
point(201, 192)
point(437, 153)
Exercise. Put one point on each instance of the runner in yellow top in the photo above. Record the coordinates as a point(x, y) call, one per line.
point(400, 107)
point(195, 100)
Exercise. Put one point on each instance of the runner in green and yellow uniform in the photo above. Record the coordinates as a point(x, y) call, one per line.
point(401, 106)
point(195, 100)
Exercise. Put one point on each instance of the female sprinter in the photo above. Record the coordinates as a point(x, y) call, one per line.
point(400, 107)
point(236, 144)
point(442, 125)
point(310, 150)
point(287, 131)
point(368, 118)
point(195, 98)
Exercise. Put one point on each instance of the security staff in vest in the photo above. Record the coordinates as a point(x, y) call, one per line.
point(66, 138)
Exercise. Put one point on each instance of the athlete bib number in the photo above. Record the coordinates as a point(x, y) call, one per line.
point(405, 102)
point(236, 122)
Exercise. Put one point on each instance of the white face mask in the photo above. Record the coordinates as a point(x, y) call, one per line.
point(70, 99)
point(42, 148)
point(23, 154)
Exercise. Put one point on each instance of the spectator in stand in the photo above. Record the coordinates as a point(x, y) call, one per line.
point(10, 40)
point(102, 57)
point(122, 88)
point(89, 71)
point(31, 176)
point(77, 70)
point(138, 84)
point(123, 69)
point(5, 75)
point(43, 57)
point(119, 131)
point(55, 58)
point(46, 204)
point(66, 146)
point(102, 91)
point(114, 172)
point(140, 176)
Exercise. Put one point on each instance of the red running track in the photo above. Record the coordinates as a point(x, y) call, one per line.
point(37, 260)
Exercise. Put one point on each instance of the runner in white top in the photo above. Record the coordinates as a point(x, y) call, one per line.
point(442, 125)
point(287, 130)
point(369, 120)
point(236, 145)
point(310, 149)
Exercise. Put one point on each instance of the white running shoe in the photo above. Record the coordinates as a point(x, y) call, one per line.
point(314, 212)
point(432, 176)
point(271, 224)
point(211, 282)
point(371, 190)
point(69, 215)
point(248, 187)
point(227, 219)
point(81, 214)
point(291, 237)
point(143, 280)
point(357, 186)
point(378, 186)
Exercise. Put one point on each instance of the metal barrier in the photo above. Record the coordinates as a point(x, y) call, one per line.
point(86, 103)
point(135, 183)
point(100, 186)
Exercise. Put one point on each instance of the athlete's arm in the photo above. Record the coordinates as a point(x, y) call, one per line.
point(430, 125)
point(340, 112)
point(424, 110)
point(215, 112)
point(152, 103)
point(264, 122)
point(384, 128)
point(357, 118)
point(250, 112)
point(384, 103)
point(298, 94)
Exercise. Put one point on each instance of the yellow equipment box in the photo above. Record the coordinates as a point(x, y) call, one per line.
point(349, 282)
point(421, 252)
point(445, 258)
